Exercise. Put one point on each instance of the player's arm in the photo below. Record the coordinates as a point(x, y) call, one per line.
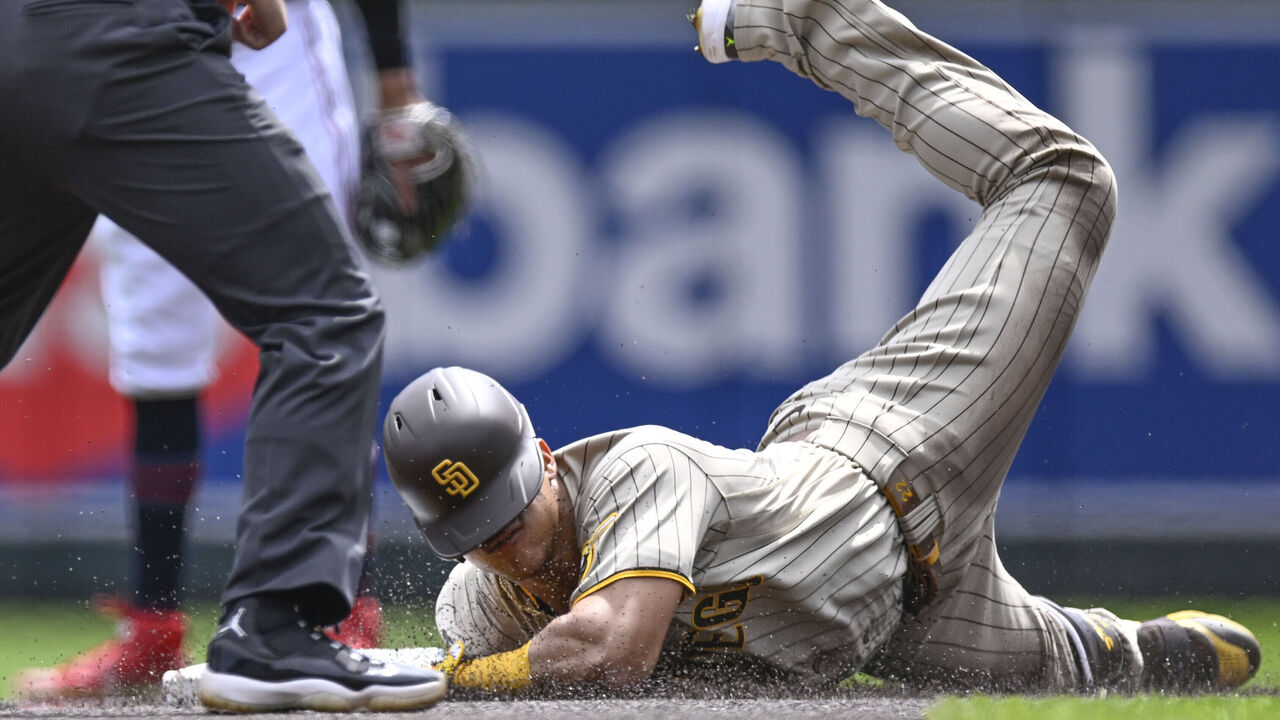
point(631, 582)
point(611, 637)
point(397, 85)
point(417, 167)
point(487, 614)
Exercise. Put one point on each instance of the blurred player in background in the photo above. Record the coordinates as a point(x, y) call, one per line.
point(858, 536)
point(163, 349)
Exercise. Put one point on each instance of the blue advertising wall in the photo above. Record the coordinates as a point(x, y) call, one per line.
point(660, 240)
point(663, 240)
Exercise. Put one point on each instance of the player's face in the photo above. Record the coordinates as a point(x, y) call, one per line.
point(524, 547)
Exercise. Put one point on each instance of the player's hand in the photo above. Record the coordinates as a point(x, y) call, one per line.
point(452, 659)
point(415, 181)
point(256, 23)
point(501, 672)
point(397, 90)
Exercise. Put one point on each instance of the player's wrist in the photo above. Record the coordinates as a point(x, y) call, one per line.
point(508, 671)
point(397, 88)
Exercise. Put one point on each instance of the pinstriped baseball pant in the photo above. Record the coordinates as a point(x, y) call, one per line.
point(948, 394)
point(131, 108)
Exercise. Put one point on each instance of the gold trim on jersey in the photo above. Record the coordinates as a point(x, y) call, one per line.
point(589, 548)
point(639, 572)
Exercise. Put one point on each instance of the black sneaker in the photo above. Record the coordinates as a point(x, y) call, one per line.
point(1193, 651)
point(265, 657)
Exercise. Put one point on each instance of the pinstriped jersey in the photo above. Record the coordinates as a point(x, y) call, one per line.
point(790, 554)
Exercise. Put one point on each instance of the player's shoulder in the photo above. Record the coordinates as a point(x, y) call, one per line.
point(468, 586)
point(486, 612)
point(618, 464)
point(611, 445)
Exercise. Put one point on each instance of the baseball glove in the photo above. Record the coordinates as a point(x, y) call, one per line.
point(415, 183)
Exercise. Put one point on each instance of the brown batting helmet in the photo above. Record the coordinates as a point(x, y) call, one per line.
point(462, 453)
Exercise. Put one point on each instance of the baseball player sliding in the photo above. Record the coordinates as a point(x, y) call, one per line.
point(858, 535)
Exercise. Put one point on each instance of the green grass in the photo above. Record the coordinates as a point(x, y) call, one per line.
point(42, 632)
point(1140, 707)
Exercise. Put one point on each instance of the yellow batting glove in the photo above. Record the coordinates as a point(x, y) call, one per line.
point(508, 671)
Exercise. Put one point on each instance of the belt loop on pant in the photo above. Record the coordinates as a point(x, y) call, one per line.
point(921, 523)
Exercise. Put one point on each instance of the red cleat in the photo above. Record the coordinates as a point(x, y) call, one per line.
point(363, 627)
point(147, 643)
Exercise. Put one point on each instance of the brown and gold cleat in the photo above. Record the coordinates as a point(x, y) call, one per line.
point(1193, 651)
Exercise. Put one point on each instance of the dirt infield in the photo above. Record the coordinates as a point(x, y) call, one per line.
point(845, 706)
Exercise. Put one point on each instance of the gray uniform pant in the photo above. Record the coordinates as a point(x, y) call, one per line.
point(130, 108)
point(947, 396)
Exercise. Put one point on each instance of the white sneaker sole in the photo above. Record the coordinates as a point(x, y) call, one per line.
point(235, 693)
point(182, 686)
point(712, 16)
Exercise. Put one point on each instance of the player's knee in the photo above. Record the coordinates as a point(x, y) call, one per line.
point(1103, 186)
point(365, 329)
point(1089, 183)
point(1101, 193)
point(376, 322)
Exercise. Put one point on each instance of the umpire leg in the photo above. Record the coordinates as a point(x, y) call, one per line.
point(42, 230)
point(179, 151)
